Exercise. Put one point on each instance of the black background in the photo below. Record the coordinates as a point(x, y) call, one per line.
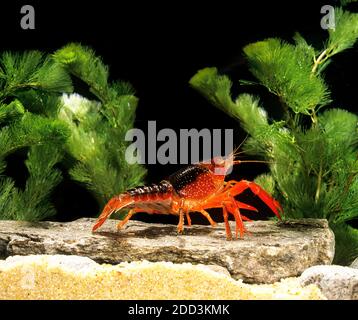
point(158, 47)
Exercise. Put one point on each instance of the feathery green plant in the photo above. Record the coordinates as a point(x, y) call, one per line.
point(43, 137)
point(99, 127)
point(38, 113)
point(314, 169)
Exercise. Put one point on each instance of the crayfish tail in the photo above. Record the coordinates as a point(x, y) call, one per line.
point(113, 205)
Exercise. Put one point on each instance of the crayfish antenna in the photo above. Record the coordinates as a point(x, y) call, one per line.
point(113, 205)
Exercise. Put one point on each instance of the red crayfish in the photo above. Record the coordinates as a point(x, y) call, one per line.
point(194, 188)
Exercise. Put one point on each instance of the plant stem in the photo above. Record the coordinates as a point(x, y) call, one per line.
point(319, 182)
point(325, 54)
point(314, 117)
point(321, 58)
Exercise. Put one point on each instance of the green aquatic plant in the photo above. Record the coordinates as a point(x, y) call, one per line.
point(98, 127)
point(21, 129)
point(41, 116)
point(312, 151)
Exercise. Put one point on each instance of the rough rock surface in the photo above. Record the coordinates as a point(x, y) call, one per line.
point(354, 264)
point(336, 282)
point(74, 277)
point(273, 250)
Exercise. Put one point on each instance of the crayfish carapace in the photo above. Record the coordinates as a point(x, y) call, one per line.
point(196, 188)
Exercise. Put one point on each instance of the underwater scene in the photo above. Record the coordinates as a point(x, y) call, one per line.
point(200, 154)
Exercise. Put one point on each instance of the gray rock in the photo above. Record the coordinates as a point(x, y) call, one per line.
point(274, 250)
point(335, 282)
point(354, 264)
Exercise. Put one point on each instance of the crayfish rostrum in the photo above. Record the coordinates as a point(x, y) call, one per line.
point(195, 188)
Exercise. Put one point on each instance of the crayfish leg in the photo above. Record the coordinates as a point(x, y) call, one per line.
point(227, 225)
point(233, 208)
point(207, 216)
point(180, 226)
point(245, 206)
point(188, 220)
point(126, 219)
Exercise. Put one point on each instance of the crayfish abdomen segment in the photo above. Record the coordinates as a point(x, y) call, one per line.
point(155, 198)
point(151, 192)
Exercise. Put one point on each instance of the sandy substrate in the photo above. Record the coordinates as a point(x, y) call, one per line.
point(74, 277)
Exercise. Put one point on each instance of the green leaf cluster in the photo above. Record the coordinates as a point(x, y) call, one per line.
point(285, 69)
point(99, 127)
point(39, 115)
point(31, 69)
point(345, 33)
point(43, 138)
point(20, 129)
point(313, 168)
